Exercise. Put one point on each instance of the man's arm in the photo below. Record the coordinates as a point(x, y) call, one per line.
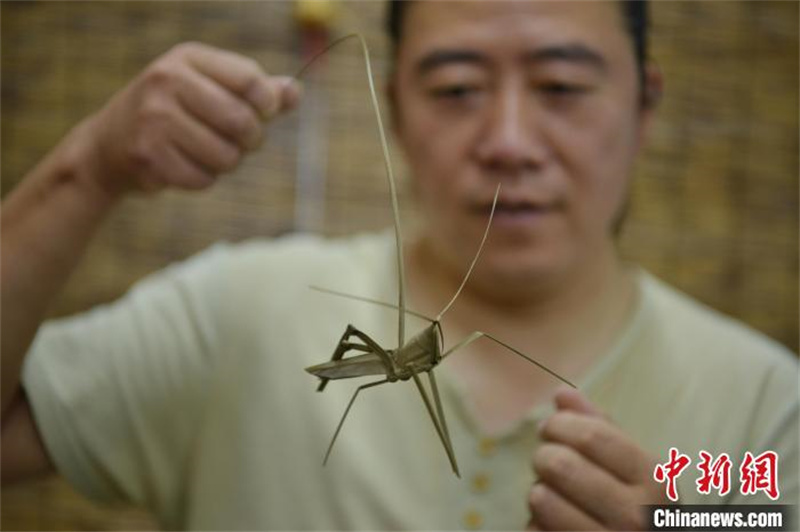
point(47, 222)
point(191, 115)
point(23, 451)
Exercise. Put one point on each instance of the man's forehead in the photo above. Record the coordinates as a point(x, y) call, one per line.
point(432, 23)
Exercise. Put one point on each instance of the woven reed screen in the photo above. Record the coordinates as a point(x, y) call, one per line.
point(714, 207)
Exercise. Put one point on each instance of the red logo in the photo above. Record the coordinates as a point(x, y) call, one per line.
point(671, 470)
point(716, 474)
point(760, 474)
point(757, 473)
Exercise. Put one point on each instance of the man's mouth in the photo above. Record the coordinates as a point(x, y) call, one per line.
point(516, 213)
point(514, 208)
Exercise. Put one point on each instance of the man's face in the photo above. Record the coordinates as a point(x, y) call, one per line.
point(541, 97)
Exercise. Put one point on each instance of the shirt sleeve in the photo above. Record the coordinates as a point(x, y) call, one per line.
point(118, 392)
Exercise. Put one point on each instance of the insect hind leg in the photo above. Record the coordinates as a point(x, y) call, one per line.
point(370, 346)
point(438, 420)
point(341, 348)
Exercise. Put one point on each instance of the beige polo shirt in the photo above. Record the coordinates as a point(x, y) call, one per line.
point(189, 397)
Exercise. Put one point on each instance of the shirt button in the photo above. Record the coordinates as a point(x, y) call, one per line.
point(473, 520)
point(480, 483)
point(486, 447)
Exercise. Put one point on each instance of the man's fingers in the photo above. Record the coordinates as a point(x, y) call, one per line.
point(572, 399)
point(244, 77)
point(585, 485)
point(203, 145)
point(173, 166)
point(550, 511)
point(592, 464)
point(581, 425)
point(599, 441)
point(220, 109)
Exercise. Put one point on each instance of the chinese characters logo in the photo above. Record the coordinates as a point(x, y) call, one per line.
point(756, 473)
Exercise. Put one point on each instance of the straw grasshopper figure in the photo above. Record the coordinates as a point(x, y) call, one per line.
point(420, 354)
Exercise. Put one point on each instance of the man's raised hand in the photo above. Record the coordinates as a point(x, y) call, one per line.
point(191, 115)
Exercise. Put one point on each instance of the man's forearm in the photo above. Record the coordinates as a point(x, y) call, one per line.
point(47, 222)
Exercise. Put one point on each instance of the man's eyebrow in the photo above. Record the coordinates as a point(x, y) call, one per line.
point(439, 58)
point(572, 53)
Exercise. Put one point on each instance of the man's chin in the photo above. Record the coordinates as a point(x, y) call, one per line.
point(516, 277)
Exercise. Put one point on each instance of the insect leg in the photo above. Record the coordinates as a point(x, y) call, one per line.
point(478, 334)
point(341, 348)
point(445, 441)
point(378, 350)
point(346, 411)
point(440, 411)
point(356, 347)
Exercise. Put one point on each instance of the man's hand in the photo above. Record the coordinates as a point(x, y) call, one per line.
point(189, 116)
point(591, 475)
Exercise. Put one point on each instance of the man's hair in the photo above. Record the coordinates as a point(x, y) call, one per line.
point(634, 13)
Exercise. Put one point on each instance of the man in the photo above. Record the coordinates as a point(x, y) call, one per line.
point(188, 395)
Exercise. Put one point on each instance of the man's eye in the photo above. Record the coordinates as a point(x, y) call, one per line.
point(563, 89)
point(454, 92)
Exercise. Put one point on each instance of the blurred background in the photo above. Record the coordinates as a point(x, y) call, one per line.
point(714, 206)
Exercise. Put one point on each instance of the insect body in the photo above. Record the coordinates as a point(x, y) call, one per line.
point(420, 354)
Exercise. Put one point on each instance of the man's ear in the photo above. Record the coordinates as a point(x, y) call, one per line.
point(653, 86)
point(653, 90)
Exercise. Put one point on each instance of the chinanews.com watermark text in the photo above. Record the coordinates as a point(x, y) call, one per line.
point(720, 517)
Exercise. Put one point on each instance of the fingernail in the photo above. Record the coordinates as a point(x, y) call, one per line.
point(275, 100)
point(261, 98)
point(291, 92)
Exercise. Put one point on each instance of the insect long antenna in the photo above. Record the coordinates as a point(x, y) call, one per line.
point(474, 260)
point(368, 300)
point(401, 304)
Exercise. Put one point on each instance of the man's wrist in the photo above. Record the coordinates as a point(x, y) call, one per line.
point(80, 164)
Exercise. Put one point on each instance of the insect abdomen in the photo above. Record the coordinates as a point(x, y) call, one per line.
point(355, 366)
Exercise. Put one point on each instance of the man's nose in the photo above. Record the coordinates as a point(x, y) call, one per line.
point(508, 141)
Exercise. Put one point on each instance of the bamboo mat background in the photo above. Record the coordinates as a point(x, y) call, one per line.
point(714, 205)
